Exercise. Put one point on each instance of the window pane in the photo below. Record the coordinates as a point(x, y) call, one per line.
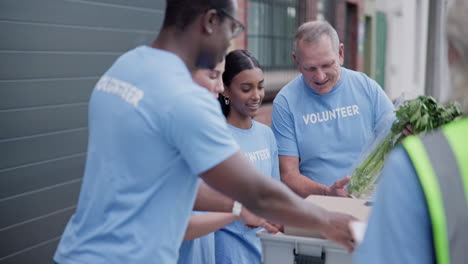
point(271, 28)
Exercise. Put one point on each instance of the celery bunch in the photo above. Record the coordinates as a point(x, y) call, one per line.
point(424, 114)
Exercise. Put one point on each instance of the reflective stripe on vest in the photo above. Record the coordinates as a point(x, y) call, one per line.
point(441, 163)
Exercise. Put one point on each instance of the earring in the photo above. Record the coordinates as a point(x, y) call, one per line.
point(226, 100)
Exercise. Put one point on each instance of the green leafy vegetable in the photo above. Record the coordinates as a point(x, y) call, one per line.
point(424, 114)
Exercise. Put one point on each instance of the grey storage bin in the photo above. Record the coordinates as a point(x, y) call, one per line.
point(284, 249)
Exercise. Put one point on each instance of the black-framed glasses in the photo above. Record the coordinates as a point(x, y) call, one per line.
point(237, 26)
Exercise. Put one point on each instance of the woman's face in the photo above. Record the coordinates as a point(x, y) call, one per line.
point(211, 79)
point(246, 92)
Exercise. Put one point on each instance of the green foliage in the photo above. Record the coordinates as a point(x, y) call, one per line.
point(424, 114)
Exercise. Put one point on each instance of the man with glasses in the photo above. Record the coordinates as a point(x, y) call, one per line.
point(152, 133)
point(237, 26)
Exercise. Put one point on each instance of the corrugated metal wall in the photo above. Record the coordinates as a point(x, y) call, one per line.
point(51, 54)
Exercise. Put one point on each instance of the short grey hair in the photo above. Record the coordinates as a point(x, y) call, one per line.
point(311, 32)
point(457, 36)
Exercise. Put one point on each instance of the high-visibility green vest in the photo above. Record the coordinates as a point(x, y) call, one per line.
point(441, 163)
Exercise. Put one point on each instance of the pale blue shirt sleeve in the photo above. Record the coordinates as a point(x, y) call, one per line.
point(197, 127)
point(384, 114)
point(282, 124)
point(275, 174)
point(399, 228)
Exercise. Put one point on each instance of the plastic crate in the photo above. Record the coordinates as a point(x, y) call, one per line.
point(284, 249)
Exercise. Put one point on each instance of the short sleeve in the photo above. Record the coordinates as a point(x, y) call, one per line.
point(399, 229)
point(197, 128)
point(384, 115)
point(275, 174)
point(282, 124)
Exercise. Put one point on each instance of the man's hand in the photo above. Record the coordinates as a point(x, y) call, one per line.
point(338, 188)
point(337, 229)
point(253, 221)
point(408, 130)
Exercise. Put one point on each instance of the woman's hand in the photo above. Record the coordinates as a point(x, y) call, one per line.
point(253, 221)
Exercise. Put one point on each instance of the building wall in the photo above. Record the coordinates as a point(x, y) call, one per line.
point(438, 82)
point(52, 53)
point(406, 47)
point(275, 78)
point(241, 41)
point(370, 42)
point(349, 28)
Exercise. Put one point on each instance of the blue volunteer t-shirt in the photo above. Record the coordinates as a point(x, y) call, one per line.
point(399, 228)
point(200, 250)
point(152, 130)
point(328, 132)
point(236, 243)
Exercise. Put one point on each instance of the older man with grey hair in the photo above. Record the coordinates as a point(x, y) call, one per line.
point(421, 210)
point(324, 117)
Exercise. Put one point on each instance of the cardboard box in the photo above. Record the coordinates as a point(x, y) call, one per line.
point(356, 207)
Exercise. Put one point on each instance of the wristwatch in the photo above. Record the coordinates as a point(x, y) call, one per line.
point(237, 208)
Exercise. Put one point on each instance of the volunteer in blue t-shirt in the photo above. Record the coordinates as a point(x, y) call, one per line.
point(199, 239)
point(198, 245)
point(420, 214)
point(244, 91)
point(152, 133)
point(324, 117)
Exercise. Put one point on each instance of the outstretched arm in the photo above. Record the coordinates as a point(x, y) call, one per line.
point(274, 201)
point(201, 225)
point(302, 185)
point(209, 199)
